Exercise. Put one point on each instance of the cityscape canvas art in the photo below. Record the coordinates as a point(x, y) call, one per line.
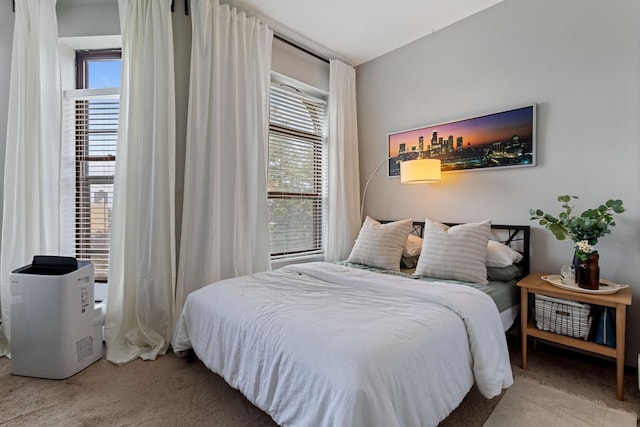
point(498, 140)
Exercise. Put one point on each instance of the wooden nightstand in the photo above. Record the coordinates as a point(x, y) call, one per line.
point(620, 300)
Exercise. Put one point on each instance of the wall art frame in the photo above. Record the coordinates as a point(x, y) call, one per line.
point(506, 139)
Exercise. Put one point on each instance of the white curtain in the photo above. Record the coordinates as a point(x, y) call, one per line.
point(34, 214)
point(140, 300)
point(344, 177)
point(224, 220)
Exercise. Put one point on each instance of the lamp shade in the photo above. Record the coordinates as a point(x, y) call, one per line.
point(420, 171)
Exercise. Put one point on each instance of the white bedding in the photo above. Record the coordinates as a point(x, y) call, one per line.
point(509, 316)
point(321, 344)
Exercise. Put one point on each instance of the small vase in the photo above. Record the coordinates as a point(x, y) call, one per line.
point(588, 272)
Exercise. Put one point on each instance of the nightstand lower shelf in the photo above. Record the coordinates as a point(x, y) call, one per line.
point(591, 346)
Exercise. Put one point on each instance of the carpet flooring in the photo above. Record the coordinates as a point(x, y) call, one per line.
point(586, 376)
point(170, 392)
point(529, 404)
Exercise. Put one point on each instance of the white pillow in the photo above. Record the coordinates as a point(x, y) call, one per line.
point(412, 246)
point(380, 245)
point(499, 255)
point(457, 253)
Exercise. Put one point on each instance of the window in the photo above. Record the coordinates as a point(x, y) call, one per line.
point(96, 132)
point(296, 178)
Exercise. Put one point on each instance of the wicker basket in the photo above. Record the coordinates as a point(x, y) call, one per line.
point(564, 317)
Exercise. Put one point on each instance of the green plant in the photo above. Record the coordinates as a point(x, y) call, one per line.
point(590, 225)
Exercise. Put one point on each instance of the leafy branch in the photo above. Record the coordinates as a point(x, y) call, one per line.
point(590, 225)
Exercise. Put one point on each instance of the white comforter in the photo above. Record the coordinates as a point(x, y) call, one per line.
point(321, 344)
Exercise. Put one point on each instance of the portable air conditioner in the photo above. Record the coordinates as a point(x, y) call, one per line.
point(56, 327)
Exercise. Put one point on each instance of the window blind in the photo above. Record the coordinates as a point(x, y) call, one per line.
point(296, 174)
point(94, 114)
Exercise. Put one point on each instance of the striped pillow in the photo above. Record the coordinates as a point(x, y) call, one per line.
point(380, 245)
point(457, 253)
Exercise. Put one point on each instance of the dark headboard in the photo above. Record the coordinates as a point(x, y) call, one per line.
point(516, 237)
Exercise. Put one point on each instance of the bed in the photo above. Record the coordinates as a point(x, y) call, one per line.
point(353, 344)
point(502, 272)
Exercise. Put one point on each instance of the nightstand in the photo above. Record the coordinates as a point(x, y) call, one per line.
point(533, 284)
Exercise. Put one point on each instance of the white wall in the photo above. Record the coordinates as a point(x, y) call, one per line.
point(296, 64)
point(580, 62)
point(77, 18)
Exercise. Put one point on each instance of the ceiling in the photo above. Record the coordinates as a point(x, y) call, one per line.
point(358, 31)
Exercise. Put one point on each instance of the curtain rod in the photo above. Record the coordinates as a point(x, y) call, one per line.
point(186, 6)
point(275, 35)
point(302, 48)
